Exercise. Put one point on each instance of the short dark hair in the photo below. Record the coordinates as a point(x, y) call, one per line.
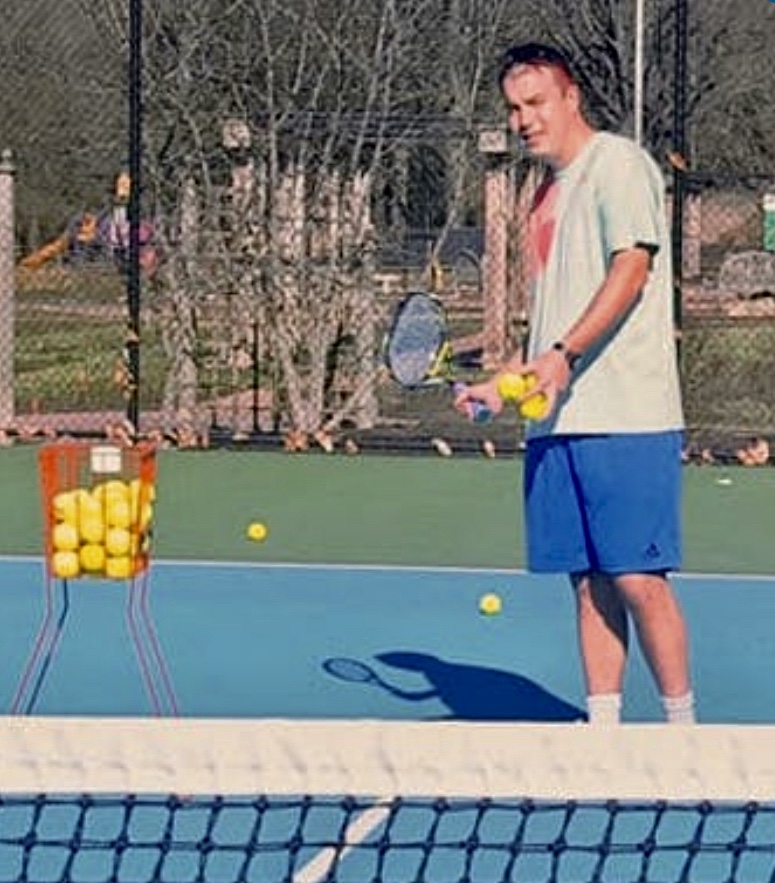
point(534, 55)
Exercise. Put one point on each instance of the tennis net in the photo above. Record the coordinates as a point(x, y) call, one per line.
point(215, 800)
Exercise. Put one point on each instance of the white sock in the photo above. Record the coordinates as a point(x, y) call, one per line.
point(679, 709)
point(604, 709)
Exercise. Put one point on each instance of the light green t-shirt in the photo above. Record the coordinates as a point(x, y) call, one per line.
point(610, 198)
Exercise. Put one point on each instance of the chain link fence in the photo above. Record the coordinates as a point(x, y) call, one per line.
point(728, 313)
point(278, 231)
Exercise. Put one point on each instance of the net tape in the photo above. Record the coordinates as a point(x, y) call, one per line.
point(388, 801)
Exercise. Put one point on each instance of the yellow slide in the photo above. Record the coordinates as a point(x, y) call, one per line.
point(46, 253)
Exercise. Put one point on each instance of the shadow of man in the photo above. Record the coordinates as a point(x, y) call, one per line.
point(470, 692)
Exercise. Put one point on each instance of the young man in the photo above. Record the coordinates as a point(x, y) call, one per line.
point(603, 469)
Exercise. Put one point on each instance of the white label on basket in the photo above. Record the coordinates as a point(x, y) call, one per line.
point(106, 458)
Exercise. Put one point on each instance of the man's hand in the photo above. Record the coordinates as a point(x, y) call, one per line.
point(552, 374)
point(485, 393)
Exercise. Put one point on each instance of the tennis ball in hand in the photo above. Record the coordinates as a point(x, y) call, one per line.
point(534, 407)
point(511, 387)
point(490, 604)
point(257, 531)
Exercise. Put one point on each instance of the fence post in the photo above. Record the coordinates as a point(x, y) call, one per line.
point(493, 144)
point(7, 289)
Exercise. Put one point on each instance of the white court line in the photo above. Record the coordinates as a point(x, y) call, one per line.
point(355, 833)
point(403, 568)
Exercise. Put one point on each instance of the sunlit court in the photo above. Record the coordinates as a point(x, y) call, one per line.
point(327, 703)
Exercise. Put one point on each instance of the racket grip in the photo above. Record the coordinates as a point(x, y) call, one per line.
point(478, 412)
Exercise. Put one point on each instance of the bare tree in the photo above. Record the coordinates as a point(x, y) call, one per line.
point(730, 73)
point(272, 249)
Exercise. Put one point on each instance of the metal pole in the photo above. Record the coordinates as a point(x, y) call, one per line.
point(133, 280)
point(679, 146)
point(638, 84)
point(7, 289)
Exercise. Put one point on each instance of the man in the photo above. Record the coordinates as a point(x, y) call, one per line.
point(603, 469)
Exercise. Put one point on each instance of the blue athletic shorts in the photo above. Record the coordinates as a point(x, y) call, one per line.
point(604, 503)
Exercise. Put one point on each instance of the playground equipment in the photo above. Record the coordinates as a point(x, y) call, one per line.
point(98, 237)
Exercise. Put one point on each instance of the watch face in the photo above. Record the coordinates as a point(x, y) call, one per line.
point(570, 357)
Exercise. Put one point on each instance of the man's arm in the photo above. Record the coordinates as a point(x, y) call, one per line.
point(625, 280)
point(623, 284)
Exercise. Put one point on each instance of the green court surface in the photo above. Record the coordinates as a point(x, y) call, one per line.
point(421, 510)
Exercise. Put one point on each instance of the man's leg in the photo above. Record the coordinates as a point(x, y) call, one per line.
point(603, 642)
point(661, 630)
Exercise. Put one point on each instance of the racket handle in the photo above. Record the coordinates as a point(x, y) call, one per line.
point(477, 411)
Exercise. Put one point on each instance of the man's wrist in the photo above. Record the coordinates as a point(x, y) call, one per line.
point(571, 356)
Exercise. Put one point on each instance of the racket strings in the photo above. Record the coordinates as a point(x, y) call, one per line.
point(418, 348)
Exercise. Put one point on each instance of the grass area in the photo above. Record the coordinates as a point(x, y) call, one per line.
point(74, 362)
point(70, 339)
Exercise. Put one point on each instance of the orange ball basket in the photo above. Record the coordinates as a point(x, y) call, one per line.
point(98, 504)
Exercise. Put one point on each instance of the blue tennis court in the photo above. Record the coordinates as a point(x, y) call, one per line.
point(243, 640)
point(284, 647)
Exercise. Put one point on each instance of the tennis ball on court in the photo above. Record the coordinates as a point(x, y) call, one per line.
point(65, 565)
point(92, 557)
point(511, 386)
point(64, 537)
point(257, 531)
point(490, 604)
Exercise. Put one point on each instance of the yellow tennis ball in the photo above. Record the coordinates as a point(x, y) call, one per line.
point(65, 506)
point(118, 541)
point(490, 604)
point(112, 487)
point(92, 557)
point(65, 565)
point(118, 511)
point(257, 531)
point(142, 520)
point(511, 386)
point(64, 537)
point(534, 408)
point(91, 527)
point(118, 566)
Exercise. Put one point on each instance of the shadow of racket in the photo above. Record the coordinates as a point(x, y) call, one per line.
point(353, 671)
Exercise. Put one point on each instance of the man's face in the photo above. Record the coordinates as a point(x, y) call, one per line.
point(543, 109)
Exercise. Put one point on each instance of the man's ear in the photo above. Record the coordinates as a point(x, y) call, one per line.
point(574, 96)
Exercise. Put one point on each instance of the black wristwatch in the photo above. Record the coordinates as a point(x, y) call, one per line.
point(571, 357)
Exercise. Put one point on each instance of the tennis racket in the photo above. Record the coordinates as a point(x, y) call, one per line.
point(418, 352)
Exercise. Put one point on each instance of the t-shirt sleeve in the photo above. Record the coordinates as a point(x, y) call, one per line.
point(630, 190)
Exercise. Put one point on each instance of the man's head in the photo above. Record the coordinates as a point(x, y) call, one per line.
point(544, 102)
